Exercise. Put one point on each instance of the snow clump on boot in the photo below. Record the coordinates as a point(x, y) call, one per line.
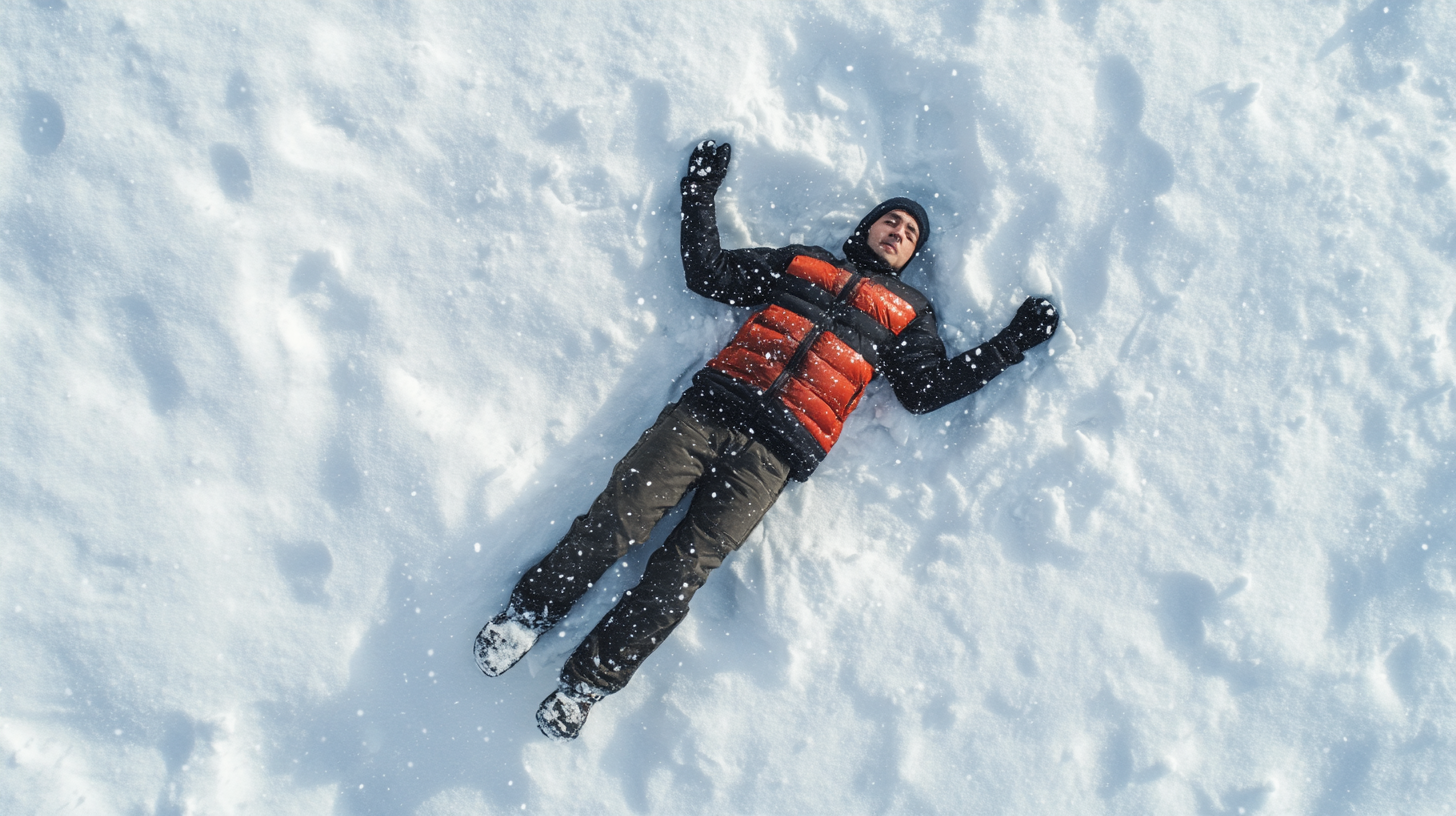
point(504, 641)
point(563, 712)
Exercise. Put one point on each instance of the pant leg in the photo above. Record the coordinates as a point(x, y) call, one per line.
point(650, 480)
point(732, 497)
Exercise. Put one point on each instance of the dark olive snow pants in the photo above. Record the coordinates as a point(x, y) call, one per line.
point(737, 479)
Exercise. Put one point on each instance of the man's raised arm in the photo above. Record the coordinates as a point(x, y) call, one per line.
point(924, 379)
point(739, 277)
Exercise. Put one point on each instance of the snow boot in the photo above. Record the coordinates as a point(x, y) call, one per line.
point(563, 713)
point(506, 639)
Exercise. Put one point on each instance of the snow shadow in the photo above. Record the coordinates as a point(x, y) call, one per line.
point(96, 706)
point(48, 250)
point(1385, 562)
point(305, 565)
point(1185, 603)
point(1033, 526)
point(1229, 100)
point(1080, 14)
point(1347, 779)
point(1235, 802)
point(1038, 515)
point(650, 124)
point(417, 716)
point(340, 480)
point(1138, 171)
point(178, 745)
point(1380, 35)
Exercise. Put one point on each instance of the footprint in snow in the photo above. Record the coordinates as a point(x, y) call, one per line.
point(151, 351)
point(240, 97)
point(1081, 14)
point(233, 174)
point(43, 126)
point(1230, 101)
point(317, 281)
point(179, 739)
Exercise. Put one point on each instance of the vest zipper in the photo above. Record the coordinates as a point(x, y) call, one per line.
point(813, 336)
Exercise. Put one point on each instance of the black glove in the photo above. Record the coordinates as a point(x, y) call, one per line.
point(706, 169)
point(1034, 324)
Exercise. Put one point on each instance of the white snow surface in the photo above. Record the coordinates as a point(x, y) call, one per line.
point(320, 321)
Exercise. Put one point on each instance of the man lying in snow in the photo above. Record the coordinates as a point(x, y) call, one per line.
point(765, 410)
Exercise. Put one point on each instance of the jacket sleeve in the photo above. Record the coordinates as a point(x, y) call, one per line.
point(924, 379)
point(737, 277)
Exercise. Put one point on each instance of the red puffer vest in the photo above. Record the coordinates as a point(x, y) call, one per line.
point(787, 356)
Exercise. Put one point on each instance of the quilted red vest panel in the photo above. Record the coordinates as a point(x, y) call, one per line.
point(827, 382)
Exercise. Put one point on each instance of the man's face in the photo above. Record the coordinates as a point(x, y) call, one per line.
point(894, 237)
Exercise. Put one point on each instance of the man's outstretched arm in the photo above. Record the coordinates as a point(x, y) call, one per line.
point(924, 379)
point(738, 277)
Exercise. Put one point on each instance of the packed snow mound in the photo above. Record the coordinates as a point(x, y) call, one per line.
point(321, 321)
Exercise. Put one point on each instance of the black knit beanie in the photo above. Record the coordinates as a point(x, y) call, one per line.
point(857, 246)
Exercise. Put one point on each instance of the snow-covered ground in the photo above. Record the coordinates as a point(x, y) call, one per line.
point(320, 321)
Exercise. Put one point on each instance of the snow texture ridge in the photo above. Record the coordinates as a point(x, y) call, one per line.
point(320, 322)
